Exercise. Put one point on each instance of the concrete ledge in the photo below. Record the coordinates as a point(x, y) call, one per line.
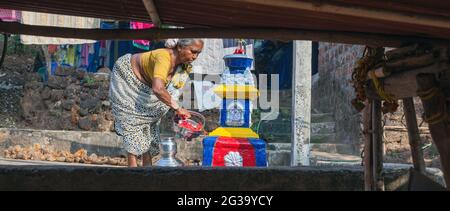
point(100, 143)
point(191, 178)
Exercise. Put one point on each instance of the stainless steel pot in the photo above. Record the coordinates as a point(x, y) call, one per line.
point(168, 150)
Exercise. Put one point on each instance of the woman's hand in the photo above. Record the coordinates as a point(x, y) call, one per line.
point(183, 113)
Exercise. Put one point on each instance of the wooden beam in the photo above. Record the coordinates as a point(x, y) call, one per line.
point(152, 12)
point(404, 84)
point(413, 135)
point(377, 146)
point(250, 33)
point(368, 158)
point(434, 106)
point(404, 59)
point(357, 12)
point(413, 62)
point(399, 53)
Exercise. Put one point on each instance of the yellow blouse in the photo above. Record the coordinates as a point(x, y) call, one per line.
point(156, 64)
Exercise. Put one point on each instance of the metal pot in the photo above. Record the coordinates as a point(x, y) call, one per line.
point(168, 150)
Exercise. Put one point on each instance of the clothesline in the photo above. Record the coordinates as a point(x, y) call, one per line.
point(84, 54)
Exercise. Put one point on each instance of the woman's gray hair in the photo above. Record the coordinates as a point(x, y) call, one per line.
point(172, 43)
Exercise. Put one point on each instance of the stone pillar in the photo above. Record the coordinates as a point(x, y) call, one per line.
point(301, 103)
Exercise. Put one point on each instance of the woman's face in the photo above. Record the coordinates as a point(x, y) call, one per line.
point(190, 53)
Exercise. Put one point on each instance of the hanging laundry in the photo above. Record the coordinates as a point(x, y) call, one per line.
point(45, 19)
point(91, 57)
point(107, 62)
point(71, 55)
point(94, 50)
point(52, 49)
point(142, 44)
point(111, 56)
point(10, 15)
point(108, 25)
point(123, 47)
point(102, 53)
point(62, 55)
point(110, 50)
point(78, 58)
point(84, 56)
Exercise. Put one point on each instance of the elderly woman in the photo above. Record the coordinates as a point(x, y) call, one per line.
point(143, 88)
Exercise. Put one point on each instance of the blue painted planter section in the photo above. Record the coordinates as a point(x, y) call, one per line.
point(232, 121)
point(237, 63)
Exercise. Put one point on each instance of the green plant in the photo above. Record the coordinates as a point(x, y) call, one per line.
point(16, 47)
point(55, 113)
point(89, 80)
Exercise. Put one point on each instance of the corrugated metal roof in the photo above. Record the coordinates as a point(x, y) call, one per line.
point(107, 9)
point(235, 14)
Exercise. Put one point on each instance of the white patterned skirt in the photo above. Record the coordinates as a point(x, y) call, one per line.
point(137, 111)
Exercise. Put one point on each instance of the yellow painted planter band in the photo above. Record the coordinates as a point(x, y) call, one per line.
point(236, 132)
point(237, 91)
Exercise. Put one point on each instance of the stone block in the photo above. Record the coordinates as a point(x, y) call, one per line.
point(279, 158)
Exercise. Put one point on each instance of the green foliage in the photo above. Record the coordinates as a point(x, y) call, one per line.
point(16, 47)
point(89, 80)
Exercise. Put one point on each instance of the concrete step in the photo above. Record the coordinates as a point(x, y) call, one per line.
point(323, 138)
point(286, 137)
point(334, 157)
point(316, 129)
point(279, 146)
point(334, 163)
point(334, 148)
point(322, 117)
point(278, 158)
point(323, 127)
point(320, 124)
point(283, 158)
point(275, 125)
point(276, 138)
